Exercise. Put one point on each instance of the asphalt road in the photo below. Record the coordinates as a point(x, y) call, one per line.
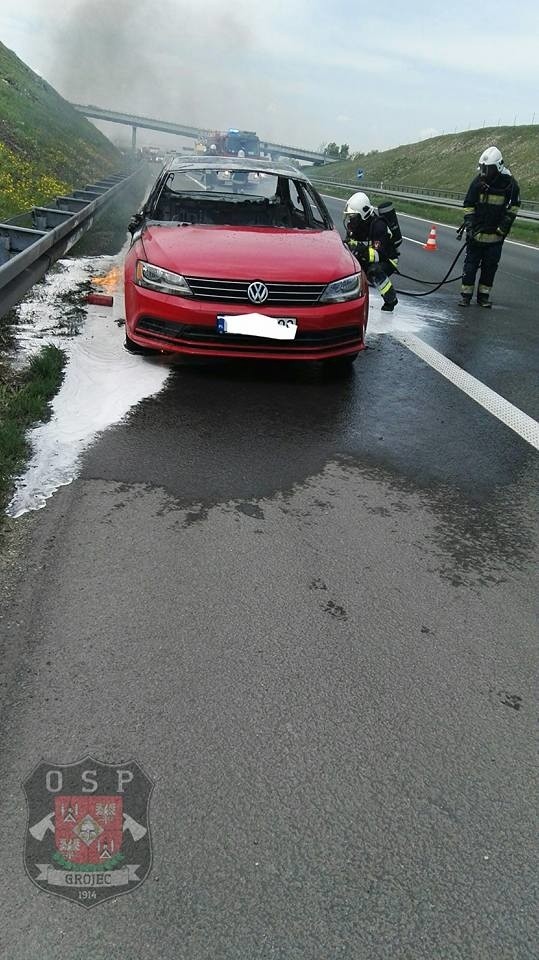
point(307, 606)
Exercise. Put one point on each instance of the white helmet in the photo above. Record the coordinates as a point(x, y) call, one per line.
point(491, 157)
point(213, 148)
point(358, 205)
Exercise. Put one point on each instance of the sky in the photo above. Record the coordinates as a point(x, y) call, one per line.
point(299, 72)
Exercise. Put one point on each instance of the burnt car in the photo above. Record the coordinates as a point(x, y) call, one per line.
point(236, 257)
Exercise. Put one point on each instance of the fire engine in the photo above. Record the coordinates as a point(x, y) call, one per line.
point(229, 143)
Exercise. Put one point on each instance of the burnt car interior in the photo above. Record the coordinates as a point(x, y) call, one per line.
point(232, 204)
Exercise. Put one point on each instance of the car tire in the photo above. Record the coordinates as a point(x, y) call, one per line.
point(133, 347)
point(341, 365)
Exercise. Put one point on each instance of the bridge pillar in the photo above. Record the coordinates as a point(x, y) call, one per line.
point(133, 138)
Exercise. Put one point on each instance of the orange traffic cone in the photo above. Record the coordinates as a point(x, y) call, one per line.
point(431, 242)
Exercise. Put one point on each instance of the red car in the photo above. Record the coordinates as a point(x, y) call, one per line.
point(240, 258)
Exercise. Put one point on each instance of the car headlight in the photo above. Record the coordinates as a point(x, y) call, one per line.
point(349, 288)
point(155, 278)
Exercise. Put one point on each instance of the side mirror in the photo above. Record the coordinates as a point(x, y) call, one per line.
point(135, 223)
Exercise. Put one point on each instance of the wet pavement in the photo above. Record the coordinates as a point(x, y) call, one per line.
point(307, 606)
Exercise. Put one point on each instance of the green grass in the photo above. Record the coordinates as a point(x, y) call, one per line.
point(524, 231)
point(46, 147)
point(24, 401)
point(447, 162)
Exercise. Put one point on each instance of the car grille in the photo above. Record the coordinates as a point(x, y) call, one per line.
point(235, 291)
point(208, 337)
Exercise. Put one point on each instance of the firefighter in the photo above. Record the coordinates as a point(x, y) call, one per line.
point(370, 239)
point(490, 207)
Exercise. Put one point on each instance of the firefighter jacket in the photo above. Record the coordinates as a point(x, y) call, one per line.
point(376, 236)
point(490, 207)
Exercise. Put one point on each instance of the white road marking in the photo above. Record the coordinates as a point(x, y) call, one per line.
point(420, 242)
point(518, 421)
point(451, 226)
point(194, 179)
point(517, 243)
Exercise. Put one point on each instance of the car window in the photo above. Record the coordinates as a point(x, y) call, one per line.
point(297, 201)
point(318, 215)
point(202, 180)
point(235, 197)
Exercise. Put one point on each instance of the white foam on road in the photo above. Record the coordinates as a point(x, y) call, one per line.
point(42, 315)
point(409, 316)
point(102, 381)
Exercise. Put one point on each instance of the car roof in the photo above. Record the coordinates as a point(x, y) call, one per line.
point(208, 162)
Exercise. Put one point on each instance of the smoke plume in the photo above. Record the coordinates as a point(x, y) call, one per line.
point(172, 59)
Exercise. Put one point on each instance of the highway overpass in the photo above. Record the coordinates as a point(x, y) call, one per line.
point(193, 133)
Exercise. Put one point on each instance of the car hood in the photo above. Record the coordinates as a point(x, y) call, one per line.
point(249, 253)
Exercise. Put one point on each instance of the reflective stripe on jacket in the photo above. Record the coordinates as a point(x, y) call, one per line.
point(491, 207)
point(377, 235)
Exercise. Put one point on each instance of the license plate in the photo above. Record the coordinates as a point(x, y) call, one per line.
point(258, 325)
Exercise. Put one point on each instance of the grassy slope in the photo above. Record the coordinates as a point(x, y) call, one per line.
point(46, 147)
point(447, 162)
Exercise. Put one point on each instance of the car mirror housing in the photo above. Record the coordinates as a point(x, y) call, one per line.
point(134, 223)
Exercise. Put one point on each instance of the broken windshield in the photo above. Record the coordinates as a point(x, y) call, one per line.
point(204, 180)
point(236, 197)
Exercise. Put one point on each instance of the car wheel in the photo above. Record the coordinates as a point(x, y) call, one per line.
point(133, 347)
point(341, 365)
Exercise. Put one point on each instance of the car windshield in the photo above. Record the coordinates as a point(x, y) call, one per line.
point(236, 197)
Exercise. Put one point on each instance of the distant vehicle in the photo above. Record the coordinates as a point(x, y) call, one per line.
point(153, 154)
point(229, 143)
point(252, 270)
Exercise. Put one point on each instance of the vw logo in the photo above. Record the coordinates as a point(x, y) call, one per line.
point(257, 292)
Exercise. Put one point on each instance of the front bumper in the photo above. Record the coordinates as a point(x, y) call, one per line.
point(182, 325)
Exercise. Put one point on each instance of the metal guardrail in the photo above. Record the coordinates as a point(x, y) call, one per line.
point(26, 253)
point(443, 198)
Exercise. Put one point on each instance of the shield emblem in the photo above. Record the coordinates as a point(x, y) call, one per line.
point(88, 832)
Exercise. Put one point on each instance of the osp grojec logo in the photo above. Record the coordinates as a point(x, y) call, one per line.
point(88, 832)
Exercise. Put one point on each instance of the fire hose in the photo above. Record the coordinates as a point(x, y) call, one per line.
point(425, 293)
